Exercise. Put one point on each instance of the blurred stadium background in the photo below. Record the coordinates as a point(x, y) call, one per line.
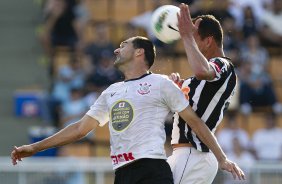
point(56, 57)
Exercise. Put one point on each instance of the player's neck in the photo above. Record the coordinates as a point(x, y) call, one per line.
point(134, 73)
point(216, 52)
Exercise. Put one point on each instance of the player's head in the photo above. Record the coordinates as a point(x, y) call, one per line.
point(148, 47)
point(209, 32)
point(135, 48)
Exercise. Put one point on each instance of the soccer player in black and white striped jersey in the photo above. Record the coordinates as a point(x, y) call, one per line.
point(209, 93)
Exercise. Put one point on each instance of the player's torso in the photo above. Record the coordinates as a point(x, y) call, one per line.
point(204, 94)
point(208, 100)
point(134, 101)
point(137, 115)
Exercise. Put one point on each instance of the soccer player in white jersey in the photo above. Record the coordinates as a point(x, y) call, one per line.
point(209, 93)
point(135, 110)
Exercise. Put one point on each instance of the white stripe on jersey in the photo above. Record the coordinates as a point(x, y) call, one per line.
point(175, 131)
point(197, 94)
point(215, 100)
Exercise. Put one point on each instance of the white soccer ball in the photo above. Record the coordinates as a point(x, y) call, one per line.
point(164, 23)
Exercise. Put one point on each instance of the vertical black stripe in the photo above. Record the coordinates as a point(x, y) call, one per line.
point(182, 136)
point(204, 147)
point(190, 137)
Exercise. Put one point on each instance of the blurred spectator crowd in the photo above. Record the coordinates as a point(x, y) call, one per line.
point(78, 70)
point(80, 54)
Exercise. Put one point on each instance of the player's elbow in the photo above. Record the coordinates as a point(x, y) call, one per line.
point(80, 132)
point(204, 75)
point(201, 75)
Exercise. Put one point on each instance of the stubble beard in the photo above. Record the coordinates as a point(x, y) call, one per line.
point(119, 63)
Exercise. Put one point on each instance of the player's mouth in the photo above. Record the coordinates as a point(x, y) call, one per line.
point(117, 59)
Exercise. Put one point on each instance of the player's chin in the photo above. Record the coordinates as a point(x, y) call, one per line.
point(117, 63)
point(119, 60)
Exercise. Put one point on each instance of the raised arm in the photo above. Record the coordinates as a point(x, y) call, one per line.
point(65, 136)
point(197, 61)
point(202, 131)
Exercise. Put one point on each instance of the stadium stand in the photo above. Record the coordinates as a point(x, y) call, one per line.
point(100, 10)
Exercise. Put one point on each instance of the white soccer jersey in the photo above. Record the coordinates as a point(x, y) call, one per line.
point(136, 110)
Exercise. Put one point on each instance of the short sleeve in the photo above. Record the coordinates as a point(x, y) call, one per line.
point(99, 110)
point(220, 67)
point(173, 96)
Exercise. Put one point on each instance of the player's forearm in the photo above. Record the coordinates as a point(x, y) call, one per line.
point(67, 135)
point(209, 139)
point(196, 59)
point(202, 131)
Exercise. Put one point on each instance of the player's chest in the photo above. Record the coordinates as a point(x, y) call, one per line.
point(137, 93)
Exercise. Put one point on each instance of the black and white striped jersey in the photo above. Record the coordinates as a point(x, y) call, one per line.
point(209, 99)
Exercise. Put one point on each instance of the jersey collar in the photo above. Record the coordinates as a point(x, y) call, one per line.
point(224, 57)
point(149, 73)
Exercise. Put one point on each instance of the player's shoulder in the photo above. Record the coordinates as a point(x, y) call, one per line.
point(114, 86)
point(221, 60)
point(222, 63)
point(159, 76)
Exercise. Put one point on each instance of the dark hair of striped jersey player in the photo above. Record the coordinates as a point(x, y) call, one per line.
point(210, 26)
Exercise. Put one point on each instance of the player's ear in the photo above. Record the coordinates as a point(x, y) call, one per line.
point(197, 23)
point(209, 41)
point(139, 52)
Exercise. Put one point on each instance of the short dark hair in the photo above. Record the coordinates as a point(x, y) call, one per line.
point(148, 46)
point(210, 26)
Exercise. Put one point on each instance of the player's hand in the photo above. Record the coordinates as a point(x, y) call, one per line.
point(185, 25)
point(233, 168)
point(175, 77)
point(20, 152)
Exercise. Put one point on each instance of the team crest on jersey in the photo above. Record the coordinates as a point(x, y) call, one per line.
point(144, 88)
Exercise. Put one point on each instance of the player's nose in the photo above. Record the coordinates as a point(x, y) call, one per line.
point(116, 51)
